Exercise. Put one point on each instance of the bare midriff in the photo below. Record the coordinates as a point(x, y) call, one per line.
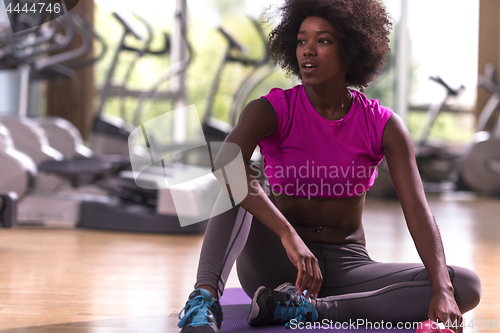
point(325, 220)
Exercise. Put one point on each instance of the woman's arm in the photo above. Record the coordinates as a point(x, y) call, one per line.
point(398, 149)
point(258, 120)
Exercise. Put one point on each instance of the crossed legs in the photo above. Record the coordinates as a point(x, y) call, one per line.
point(354, 285)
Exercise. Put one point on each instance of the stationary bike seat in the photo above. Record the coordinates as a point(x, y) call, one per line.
point(77, 171)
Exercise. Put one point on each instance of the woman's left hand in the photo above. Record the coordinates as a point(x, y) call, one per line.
point(444, 308)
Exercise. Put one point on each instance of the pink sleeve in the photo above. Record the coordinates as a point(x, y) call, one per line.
point(278, 99)
point(382, 115)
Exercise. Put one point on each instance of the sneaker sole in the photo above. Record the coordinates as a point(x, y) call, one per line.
point(254, 307)
point(200, 329)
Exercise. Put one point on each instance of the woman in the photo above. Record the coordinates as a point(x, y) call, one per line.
point(321, 143)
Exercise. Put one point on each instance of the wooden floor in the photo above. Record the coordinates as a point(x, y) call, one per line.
point(80, 281)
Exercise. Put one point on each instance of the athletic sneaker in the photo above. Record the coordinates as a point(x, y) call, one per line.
point(202, 314)
point(280, 306)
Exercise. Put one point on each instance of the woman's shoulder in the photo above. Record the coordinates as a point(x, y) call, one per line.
point(282, 102)
point(372, 107)
point(376, 117)
point(281, 95)
point(271, 105)
point(257, 117)
point(282, 99)
point(285, 91)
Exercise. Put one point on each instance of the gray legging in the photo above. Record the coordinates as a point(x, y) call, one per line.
point(354, 286)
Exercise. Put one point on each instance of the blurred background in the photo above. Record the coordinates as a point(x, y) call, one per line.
point(146, 60)
point(442, 42)
point(79, 94)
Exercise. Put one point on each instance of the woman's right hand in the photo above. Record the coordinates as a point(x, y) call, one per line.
point(309, 274)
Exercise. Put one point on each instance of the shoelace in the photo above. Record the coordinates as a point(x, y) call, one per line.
point(288, 312)
point(198, 312)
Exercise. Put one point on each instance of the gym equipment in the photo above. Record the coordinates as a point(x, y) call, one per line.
point(42, 196)
point(28, 51)
point(133, 208)
point(68, 57)
point(167, 74)
point(487, 114)
point(111, 204)
point(480, 169)
point(63, 136)
point(110, 134)
point(25, 147)
point(156, 212)
point(106, 216)
point(33, 140)
point(28, 138)
point(18, 171)
point(139, 54)
point(129, 207)
point(21, 51)
point(215, 129)
point(17, 178)
point(8, 206)
point(436, 163)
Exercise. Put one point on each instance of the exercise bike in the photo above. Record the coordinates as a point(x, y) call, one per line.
point(480, 168)
point(216, 129)
point(40, 194)
point(436, 164)
point(110, 134)
point(15, 180)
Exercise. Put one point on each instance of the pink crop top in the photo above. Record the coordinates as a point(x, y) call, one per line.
point(310, 156)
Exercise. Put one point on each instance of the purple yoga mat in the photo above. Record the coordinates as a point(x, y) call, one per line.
point(233, 296)
point(235, 305)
